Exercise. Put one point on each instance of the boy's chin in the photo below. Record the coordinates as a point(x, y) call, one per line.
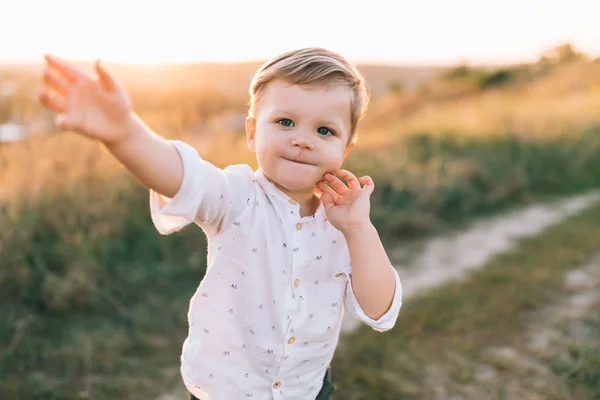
point(298, 184)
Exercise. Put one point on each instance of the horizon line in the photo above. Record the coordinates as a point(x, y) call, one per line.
point(473, 62)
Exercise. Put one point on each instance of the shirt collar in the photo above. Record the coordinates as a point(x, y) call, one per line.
point(281, 197)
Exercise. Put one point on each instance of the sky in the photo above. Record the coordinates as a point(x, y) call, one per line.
point(375, 31)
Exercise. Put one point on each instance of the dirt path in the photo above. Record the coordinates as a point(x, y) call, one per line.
point(445, 258)
point(526, 371)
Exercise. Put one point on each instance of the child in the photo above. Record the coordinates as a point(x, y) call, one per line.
point(289, 245)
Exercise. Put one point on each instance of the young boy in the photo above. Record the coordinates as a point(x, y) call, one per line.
point(289, 245)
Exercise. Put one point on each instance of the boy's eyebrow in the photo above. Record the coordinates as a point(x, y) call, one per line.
point(281, 111)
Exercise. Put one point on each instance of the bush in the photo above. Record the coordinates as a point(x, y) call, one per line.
point(460, 71)
point(496, 78)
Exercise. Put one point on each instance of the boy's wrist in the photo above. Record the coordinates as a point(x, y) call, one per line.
point(131, 126)
point(359, 229)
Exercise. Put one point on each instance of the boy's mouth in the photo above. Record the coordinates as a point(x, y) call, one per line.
point(297, 161)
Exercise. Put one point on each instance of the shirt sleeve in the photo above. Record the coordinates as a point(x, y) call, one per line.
point(386, 321)
point(208, 196)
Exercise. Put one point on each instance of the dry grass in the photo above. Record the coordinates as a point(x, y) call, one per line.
point(566, 100)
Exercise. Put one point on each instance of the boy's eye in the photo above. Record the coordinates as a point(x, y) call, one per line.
point(324, 131)
point(286, 122)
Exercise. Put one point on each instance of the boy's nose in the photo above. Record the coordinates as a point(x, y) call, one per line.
point(303, 143)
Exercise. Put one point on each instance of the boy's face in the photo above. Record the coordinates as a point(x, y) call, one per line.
point(300, 133)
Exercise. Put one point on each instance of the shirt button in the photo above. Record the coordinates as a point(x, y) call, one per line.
point(293, 202)
point(298, 226)
point(291, 340)
point(296, 282)
point(277, 384)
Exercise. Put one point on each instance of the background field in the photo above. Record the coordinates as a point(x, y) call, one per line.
point(93, 301)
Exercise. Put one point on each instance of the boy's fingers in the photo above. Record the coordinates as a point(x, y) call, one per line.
point(71, 73)
point(369, 184)
point(106, 79)
point(337, 184)
point(328, 201)
point(54, 81)
point(350, 178)
point(327, 190)
point(54, 102)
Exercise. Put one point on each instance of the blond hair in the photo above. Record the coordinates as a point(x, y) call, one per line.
point(313, 66)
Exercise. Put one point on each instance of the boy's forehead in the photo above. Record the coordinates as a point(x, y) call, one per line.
point(325, 102)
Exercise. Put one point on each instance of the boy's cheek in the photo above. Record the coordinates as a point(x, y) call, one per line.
point(340, 160)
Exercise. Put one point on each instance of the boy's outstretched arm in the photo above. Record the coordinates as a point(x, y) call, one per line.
point(153, 161)
point(100, 109)
point(373, 276)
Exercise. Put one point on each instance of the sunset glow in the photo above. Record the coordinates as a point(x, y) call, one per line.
point(136, 31)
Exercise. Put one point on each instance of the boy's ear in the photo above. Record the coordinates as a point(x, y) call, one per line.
point(251, 132)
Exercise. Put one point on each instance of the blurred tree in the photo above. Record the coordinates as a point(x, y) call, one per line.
point(395, 86)
point(495, 78)
point(460, 71)
point(561, 54)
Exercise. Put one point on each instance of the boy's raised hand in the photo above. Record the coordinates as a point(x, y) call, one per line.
point(97, 107)
point(347, 206)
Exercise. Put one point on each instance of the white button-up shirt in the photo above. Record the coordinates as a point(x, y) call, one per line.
point(265, 320)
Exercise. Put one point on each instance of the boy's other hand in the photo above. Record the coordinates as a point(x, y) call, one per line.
point(96, 107)
point(347, 206)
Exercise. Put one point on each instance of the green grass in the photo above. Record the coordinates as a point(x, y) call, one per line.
point(583, 365)
point(91, 304)
point(487, 309)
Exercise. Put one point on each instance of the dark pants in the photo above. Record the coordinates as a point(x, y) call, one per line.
point(326, 390)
